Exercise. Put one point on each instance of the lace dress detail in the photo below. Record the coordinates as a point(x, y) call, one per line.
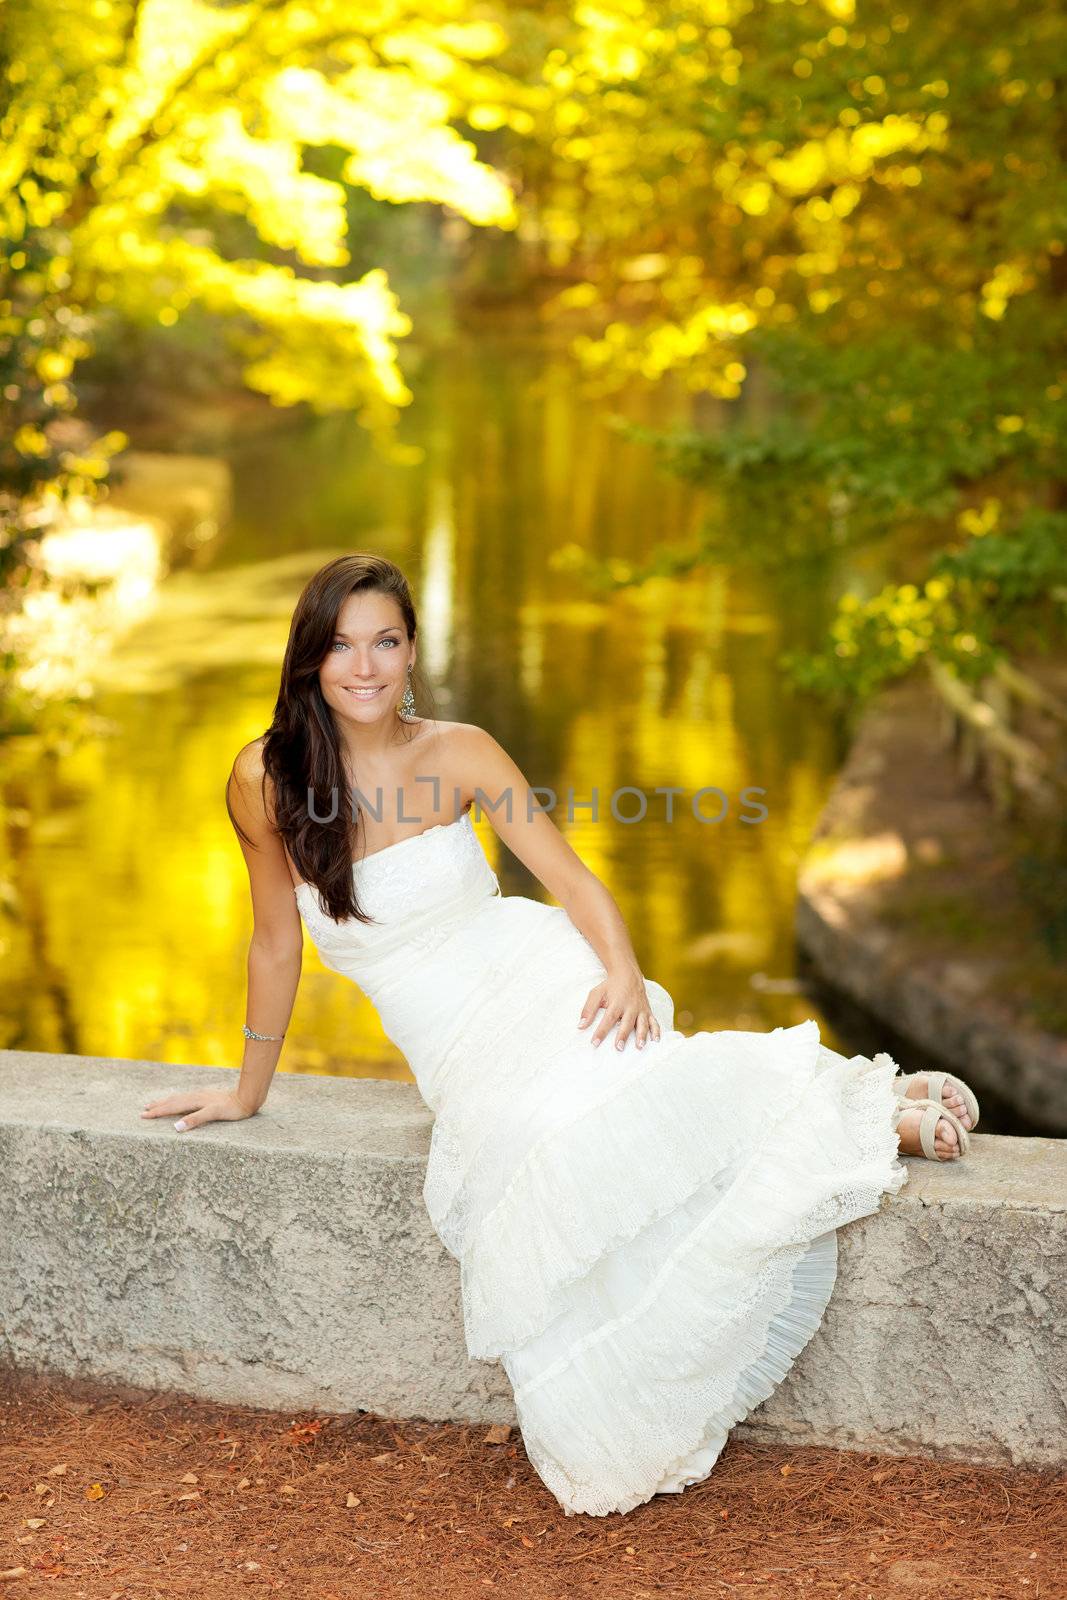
point(646, 1238)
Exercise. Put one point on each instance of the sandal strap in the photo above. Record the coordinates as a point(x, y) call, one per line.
point(906, 1103)
point(935, 1088)
point(970, 1099)
point(934, 1110)
point(928, 1129)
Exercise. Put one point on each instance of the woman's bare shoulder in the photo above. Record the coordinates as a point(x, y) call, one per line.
point(458, 756)
point(462, 732)
point(250, 772)
point(449, 736)
point(248, 763)
point(254, 783)
point(475, 757)
point(466, 742)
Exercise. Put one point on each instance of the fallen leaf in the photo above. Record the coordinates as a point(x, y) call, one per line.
point(251, 1566)
point(194, 1495)
point(785, 1471)
point(189, 1477)
point(353, 1500)
point(385, 1456)
point(14, 1572)
point(409, 1516)
point(529, 1543)
point(56, 1472)
point(244, 1483)
point(34, 1522)
point(288, 1488)
point(306, 1430)
point(499, 1433)
point(95, 1491)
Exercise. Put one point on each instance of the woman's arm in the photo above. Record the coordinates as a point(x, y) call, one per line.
point(531, 834)
point(274, 957)
point(273, 980)
point(277, 945)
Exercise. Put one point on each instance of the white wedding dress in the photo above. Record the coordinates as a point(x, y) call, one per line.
point(646, 1237)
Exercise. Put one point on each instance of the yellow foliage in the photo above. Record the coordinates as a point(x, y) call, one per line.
point(146, 108)
point(30, 441)
point(976, 521)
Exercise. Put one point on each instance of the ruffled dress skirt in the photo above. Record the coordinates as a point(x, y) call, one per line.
point(646, 1238)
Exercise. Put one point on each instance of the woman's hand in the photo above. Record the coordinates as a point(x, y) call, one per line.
point(624, 1000)
point(200, 1106)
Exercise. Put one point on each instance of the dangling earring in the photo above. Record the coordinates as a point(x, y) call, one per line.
point(406, 707)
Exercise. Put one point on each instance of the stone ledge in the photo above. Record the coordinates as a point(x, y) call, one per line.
point(287, 1262)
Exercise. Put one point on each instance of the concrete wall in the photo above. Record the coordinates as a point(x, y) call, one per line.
point(287, 1262)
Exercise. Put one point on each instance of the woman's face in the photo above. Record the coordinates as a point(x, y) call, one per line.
point(370, 651)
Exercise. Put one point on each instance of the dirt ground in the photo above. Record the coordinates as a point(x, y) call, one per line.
point(125, 1495)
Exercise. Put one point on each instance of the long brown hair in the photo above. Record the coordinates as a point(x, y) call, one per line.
point(301, 748)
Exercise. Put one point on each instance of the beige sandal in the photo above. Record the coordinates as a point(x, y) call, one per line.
point(935, 1088)
point(932, 1112)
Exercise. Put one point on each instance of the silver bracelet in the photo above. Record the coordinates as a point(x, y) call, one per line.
point(248, 1033)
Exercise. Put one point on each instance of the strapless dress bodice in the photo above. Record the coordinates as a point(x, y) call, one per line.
point(449, 960)
point(419, 891)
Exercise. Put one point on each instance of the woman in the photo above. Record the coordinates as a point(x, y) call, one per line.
point(646, 1243)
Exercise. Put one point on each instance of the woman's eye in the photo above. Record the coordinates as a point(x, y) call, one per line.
point(387, 641)
point(341, 642)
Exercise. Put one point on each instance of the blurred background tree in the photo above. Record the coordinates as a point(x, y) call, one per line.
point(842, 227)
point(862, 206)
point(165, 158)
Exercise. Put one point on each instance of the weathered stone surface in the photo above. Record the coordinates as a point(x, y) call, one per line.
point(288, 1262)
point(282, 1261)
point(944, 1335)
